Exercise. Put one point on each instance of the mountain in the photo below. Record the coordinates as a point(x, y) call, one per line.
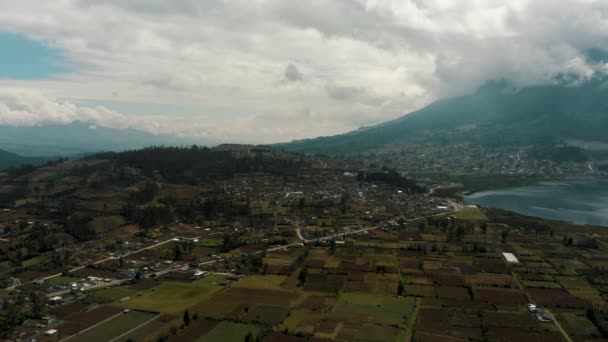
point(79, 138)
point(496, 115)
point(8, 159)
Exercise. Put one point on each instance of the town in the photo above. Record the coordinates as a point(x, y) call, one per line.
point(475, 159)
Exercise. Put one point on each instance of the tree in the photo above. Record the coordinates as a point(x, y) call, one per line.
point(332, 247)
point(400, 288)
point(229, 242)
point(38, 303)
point(186, 317)
point(302, 276)
point(177, 252)
point(78, 226)
point(460, 232)
point(504, 234)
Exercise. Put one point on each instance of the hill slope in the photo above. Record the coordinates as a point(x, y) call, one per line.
point(8, 159)
point(496, 115)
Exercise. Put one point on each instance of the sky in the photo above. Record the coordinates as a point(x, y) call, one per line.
point(265, 71)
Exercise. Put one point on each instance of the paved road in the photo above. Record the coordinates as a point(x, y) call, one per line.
point(337, 235)
point(99, 285)
point(212, 262)
point(299, 233)
point(99, 262)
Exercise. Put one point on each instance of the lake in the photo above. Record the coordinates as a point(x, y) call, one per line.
point(581, 202)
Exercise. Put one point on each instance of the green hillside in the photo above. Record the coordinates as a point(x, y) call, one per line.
point(496, 115)
point(8, 159)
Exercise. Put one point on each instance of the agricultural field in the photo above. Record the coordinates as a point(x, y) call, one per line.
point(228, 332)
point(173, 296)
point(304, 255)
point(115, 327)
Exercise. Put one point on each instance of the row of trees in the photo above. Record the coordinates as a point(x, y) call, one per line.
point(391, 177)
point(196, 164)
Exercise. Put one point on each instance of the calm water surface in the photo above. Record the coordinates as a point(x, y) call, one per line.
point(581, 202)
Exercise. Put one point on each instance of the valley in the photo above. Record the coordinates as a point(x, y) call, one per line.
point(252, 243)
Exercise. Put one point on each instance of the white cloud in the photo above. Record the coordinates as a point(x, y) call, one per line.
point(343, 63)
point(26, 107)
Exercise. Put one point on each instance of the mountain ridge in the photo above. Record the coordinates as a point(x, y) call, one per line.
point(9, 159)
point(79, 138)
point(497, 114)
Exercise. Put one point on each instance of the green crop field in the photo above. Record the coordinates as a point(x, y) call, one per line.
point(229, 331)
point(373, 308)
point(174, 296)
point(63, 280)
point(112, 294)
point(471, 214)
point(262, 282)
point(115, 327)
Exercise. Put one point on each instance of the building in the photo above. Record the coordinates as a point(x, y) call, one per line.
point(50, 332)
point(510, 257)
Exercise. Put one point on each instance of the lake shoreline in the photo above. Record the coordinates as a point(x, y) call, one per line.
point(580, 201)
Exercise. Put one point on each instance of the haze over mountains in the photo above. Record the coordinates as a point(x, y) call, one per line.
point(8, 159)
point(496, 115)
point(79, 138)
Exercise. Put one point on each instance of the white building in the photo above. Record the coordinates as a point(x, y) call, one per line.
point(510, 257)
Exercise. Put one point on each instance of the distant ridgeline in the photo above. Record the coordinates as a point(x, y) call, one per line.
point(178, 164)
point(8, 160)
point(558, 120)
point(391, 177)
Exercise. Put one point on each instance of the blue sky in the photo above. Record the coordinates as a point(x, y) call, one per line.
point(27, 59)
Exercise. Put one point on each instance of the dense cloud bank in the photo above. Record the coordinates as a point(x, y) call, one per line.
point(275, 70)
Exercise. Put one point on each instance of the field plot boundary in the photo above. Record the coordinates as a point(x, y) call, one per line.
point(110, 319)
point(91, 327)
point(137, 327)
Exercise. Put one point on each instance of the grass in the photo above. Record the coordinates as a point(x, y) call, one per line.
point(106, 223)
point(112, 294)
point(229, 331)
point(209, 243)
point(173, 296)
point(35, 261)
point(543, 284)
point(63, 280)
point(4, 293)
point(278, 261)
point(147, 332)
point(115, 327)
point(380, 333)
point(381, 309)
point(267, 315)
point(474, 214)
point(589, 294)
point(266, 208)
point(268, 281)
point(295, 317)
